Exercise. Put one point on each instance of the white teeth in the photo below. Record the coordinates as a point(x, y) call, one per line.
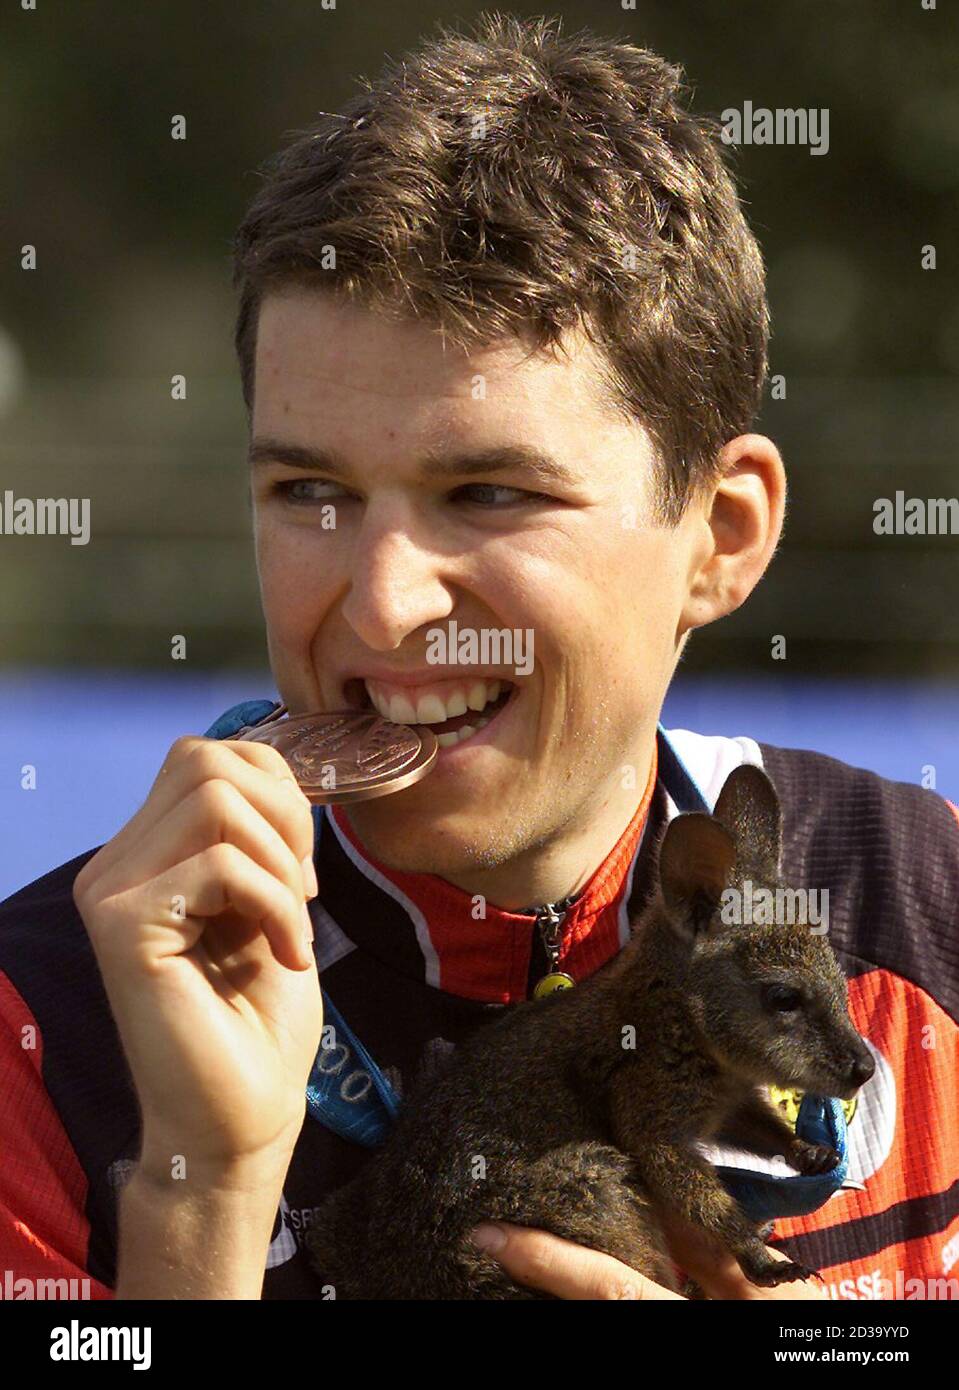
point(434, 708)
point(477, 697)
point(430, 710)
point(401, 710)
point(447, 740)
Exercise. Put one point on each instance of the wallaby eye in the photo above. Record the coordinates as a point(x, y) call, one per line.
point(781, 998)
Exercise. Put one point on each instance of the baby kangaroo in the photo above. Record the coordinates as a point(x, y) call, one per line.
point(578, 1113)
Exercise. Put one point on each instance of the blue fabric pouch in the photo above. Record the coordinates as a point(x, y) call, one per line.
point(763, 1197)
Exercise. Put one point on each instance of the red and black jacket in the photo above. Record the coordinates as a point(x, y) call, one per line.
point(414, 973)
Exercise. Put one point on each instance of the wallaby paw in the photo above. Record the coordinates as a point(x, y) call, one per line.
point(766, 1272)
point(813, 1158)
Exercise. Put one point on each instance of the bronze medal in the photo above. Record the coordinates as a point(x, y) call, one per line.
point(348, 755)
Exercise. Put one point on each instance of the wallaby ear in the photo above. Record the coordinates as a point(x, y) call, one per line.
point(695, 860)
point(748, 807)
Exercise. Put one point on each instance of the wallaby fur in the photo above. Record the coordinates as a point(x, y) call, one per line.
point(546, 1119)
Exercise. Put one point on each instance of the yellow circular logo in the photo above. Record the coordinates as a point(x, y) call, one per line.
point(549, 983)
point(788, 1102)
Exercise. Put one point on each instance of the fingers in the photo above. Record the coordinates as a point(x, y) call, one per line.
point(559, 1267)
point(256, 771)
point(264, 822)
point(176, 903)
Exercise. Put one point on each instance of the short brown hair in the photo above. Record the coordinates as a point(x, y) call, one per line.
point(515, 179)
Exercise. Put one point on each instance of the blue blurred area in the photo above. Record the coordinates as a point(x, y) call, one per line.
point(97, 740)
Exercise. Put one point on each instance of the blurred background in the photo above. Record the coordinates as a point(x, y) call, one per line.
point(132, 285)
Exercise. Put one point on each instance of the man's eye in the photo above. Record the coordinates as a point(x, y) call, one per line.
point(319, 490)
point(489, 494)
point(307, 490)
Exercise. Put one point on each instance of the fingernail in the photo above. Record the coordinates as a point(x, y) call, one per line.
point(309, 875)
point(488, 1237)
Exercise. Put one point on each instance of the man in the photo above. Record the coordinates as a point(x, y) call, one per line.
point(502, 334)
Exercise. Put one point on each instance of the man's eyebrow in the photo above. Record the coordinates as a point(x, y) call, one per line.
point(264, 451)
point(520, 458)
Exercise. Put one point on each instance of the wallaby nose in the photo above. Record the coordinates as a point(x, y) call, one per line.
point(861, 1068)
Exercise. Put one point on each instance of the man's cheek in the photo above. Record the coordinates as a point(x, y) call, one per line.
point(289, 596)
point(292, 623)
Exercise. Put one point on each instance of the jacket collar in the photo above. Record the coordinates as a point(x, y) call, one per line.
point(425, 927)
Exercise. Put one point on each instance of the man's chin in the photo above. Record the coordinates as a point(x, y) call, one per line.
point(415, 841)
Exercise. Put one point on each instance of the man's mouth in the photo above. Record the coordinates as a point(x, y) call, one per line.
point(452, 710)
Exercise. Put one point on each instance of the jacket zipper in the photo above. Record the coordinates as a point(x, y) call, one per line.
point(550, 919)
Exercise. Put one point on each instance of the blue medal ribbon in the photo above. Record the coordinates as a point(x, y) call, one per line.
point(346, 1091)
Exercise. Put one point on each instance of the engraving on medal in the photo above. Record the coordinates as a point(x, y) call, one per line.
point(348, 755)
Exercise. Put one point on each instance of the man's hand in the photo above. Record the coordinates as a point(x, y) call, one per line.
point(717, 1272)
point(197, 914)
point(556, 1266)
point(546, 1262)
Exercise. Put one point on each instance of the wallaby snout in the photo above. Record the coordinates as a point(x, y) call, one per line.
point(857, 1070)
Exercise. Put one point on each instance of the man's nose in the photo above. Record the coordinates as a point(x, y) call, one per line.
point(396, 585)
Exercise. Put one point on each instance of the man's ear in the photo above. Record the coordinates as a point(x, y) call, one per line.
point(738, 522)
point(748, 807)
point(695, 860)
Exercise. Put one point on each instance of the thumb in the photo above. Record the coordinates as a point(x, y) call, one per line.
point(556, 1266)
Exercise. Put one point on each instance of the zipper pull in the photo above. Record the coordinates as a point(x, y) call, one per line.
point(550, 918)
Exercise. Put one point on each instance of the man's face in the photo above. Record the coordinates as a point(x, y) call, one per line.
point(569, 554)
